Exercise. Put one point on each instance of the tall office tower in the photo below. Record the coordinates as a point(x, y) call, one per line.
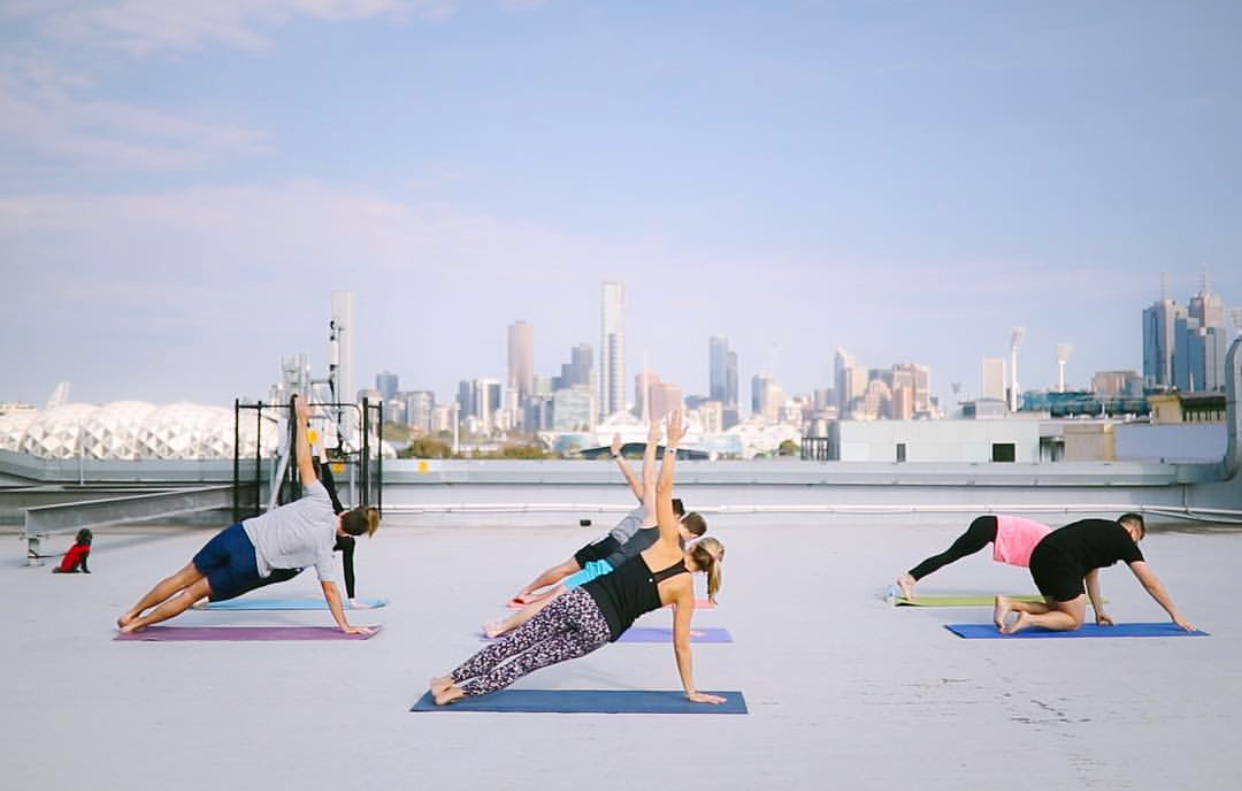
point(1189, 347)
point(612, 350)
point(1159, 341)
point(578, 371)
point(665, 397)
point(420, 407)
point(922, 385)
point(644, 381)
point(992, 379)
point(758, 386)
point(901, 397)
point(522, 358)
point(386, 383)
point(842, 367)
point(465, 399)
point(723, 371)
point(1207, 308)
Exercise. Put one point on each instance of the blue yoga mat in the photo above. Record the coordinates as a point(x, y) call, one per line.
point(590, 701)
point(285, 604)
point(987, 631)
point(664, 634)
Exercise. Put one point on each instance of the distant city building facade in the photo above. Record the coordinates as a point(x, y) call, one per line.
point(1184, 348)
point(722, 378)
point(522, 358)
point(612, 350)
point(992, 378)
point(1117, 383)
point(387, 384)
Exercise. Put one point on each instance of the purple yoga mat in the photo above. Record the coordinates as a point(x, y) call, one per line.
point(245, 633)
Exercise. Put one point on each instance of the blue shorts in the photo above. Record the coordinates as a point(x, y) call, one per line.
point(228, 563)
point(596, 568)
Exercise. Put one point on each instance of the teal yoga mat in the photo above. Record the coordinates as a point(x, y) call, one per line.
point(987, 631)
point(285, 604)
point(589, 701)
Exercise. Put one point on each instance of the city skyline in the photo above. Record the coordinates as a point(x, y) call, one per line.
point(182, 192)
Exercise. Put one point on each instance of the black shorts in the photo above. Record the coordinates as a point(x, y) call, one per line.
point(1056, 576)
point(600, 550)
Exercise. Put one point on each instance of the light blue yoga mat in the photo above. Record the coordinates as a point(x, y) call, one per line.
point(590, 701)
point(987, 631)
point(664, 634)
point(285, 604)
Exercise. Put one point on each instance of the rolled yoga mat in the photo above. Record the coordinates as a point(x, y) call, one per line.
point(987, 631)
point(590, 701)
point(286, 604)
point(663, 634)
point(242, 633)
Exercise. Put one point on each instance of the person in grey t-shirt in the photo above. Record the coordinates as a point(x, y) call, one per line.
point(240, 557)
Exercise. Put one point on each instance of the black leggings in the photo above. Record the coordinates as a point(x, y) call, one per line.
point(981, 532)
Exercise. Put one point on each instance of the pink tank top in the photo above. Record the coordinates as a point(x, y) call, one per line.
point(1016, 538)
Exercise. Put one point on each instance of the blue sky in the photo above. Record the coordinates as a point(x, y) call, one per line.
point(183, 184)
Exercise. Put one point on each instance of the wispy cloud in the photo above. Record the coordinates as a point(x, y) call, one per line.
point(141, 27)
point(47, 111)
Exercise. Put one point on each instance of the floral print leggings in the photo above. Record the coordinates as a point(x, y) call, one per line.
point(570, 627)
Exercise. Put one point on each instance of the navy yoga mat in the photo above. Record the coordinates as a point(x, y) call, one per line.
point(987, 631)
point(242, 633)
point(663, 634)
point(590, 701)
point(285, 604)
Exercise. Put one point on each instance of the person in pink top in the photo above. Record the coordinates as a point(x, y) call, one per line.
point(1012, 539)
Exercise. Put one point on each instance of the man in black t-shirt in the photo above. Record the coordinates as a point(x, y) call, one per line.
point(1065, 559)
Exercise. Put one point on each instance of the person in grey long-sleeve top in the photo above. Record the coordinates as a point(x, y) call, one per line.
point(240, 557)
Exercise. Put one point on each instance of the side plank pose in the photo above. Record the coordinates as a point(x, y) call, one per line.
point(1061, 561)
point(609, 548)
point(634, 541)
point(241, 557)
point(1012, 539)
point(599, 612)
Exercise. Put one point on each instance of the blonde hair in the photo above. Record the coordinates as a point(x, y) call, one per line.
point(708, 554)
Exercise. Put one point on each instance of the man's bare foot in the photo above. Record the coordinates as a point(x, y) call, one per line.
point(439, 683)
point(1000, 611)
point(1021, 622)
point(493, 629)
point(906, 583)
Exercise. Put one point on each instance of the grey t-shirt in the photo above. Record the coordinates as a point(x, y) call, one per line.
point(296, 535)
point(629, 525)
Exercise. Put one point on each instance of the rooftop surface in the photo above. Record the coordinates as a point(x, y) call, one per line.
point(844, 691)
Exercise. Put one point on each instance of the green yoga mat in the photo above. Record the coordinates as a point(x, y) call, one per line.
point(956, 601)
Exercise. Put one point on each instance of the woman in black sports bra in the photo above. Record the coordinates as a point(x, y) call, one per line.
point(599, 612)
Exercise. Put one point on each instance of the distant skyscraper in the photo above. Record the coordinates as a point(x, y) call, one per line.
point(1207, 308)
point(992, 384)
point(643, 382)
point(578, 371)
point(420, 406)
point(612, 350)
point(387, 384)
point(522, 358)
point(922, 384)
point(1159, 341)
point(722, 372)
point(850, 380)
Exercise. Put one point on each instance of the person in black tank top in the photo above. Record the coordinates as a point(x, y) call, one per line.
point(1064, 559)
point(599, 612)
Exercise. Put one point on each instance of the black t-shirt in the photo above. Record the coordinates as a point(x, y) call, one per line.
point(1094, 543)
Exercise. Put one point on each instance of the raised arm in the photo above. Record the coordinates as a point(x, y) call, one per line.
point(1152, 584)
point(630, 478)
point(1093, 593)
point(306, 467)
point(666, 519)
point(649, 474)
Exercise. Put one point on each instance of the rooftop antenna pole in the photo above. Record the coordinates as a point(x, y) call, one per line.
point(1015, 340)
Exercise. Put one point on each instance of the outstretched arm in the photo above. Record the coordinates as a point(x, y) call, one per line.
point(301, 415)
point(1093, 593)
point(649, 474)
point(666, 519)
point(333, 597)
point(683, 609)
point(630, 478)
point(1151, 583)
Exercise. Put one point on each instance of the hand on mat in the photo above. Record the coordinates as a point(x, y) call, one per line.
point(1185, 626)
point(1103, 620)
point(358, 629)
point(702, 697)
